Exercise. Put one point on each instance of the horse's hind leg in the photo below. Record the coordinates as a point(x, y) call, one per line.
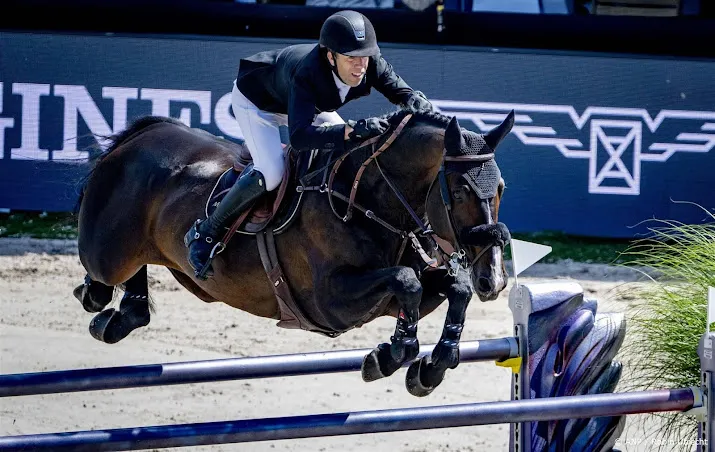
point(93, 295)
point(424, 375)
point(112, 326)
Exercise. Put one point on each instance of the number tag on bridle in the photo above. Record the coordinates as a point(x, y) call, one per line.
point(455, 262)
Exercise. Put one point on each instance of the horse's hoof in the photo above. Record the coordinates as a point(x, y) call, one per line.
point(371, 366)
point(79, 293)
point(107, 327)
point(94, 296)
point(413, 379)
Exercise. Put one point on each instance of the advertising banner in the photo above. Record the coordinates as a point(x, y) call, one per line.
point(600, 144)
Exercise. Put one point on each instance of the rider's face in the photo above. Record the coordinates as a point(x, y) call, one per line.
point(351, 69)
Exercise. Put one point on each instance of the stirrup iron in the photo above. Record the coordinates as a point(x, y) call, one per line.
point(201, 272)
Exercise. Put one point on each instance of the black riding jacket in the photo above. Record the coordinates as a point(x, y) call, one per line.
point(298, 81)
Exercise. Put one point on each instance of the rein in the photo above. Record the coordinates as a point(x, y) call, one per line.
point(455, 259)
point(365, 164)
point(328, 187)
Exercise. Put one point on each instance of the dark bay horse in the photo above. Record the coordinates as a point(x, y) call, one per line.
point(432, 193)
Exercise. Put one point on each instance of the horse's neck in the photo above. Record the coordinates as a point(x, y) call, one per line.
point(387, 199)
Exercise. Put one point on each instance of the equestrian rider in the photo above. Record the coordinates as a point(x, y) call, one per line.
point(301, 85)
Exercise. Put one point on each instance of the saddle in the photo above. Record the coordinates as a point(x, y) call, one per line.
point(277, 207)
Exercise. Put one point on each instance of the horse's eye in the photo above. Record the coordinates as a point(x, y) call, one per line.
point(460, 193)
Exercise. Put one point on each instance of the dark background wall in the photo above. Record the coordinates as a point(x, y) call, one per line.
point(691, 35)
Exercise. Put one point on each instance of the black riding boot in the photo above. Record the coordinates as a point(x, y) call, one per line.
point(204, 237)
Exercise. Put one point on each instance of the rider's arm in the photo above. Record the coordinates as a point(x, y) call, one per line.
point(391, 85)
point(304, 135)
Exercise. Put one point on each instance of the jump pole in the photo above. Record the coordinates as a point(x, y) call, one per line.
point(568, 407)
point(224, 369)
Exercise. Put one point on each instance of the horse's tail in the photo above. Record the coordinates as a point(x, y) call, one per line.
point(115, 140)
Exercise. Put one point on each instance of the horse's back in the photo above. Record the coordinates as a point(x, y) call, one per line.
point(143, 193)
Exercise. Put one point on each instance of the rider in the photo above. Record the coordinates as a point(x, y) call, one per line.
point(301, 85)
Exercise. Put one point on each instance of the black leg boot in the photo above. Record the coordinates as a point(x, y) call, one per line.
point(204, 237)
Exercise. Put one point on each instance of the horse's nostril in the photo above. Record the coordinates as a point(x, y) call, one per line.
point(485, 285)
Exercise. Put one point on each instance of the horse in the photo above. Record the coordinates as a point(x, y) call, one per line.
point(420, 227)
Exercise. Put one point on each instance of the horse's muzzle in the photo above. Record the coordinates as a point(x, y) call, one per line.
point(486, 235)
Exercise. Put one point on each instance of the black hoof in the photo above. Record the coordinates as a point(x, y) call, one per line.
point(88, 302)
point(105, 326)
point(371, 365)
point(79, 293)
point(413, 379)
point(111, 326)
point(94, 296)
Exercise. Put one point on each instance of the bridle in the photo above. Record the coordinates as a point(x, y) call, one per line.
point(456, 259)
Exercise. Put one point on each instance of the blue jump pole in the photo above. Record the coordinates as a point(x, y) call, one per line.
point(502, 412)
point(223, 369)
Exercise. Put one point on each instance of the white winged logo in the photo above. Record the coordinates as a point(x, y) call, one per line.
point(614, 138)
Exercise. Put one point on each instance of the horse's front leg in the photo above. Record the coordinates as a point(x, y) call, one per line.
point(357, 290)
point(427, 373)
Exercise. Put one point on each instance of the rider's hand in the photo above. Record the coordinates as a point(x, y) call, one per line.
point(418, 101)
point(367, 128)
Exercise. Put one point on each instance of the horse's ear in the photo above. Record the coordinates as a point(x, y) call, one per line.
point(494, 136)
point(453, 139)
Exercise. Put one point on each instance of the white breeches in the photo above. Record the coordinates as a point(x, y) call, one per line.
point(260, 131)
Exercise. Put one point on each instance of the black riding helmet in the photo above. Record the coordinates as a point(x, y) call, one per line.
point(350, 33)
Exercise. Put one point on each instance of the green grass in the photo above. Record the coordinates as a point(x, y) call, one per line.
point(580, 249)
point(666, 319)
point(40, 225)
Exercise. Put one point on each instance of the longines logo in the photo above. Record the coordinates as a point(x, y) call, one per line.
point(616, 141)
point(79, 104)
point(615, 147)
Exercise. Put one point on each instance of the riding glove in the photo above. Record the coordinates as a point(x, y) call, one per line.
point(418, 101)
point(366, 128)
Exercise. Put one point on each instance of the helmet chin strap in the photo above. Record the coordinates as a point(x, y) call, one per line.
point(334, 66)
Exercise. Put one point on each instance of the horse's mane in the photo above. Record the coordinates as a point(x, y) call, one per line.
point(420, 126)
point(396, 116)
